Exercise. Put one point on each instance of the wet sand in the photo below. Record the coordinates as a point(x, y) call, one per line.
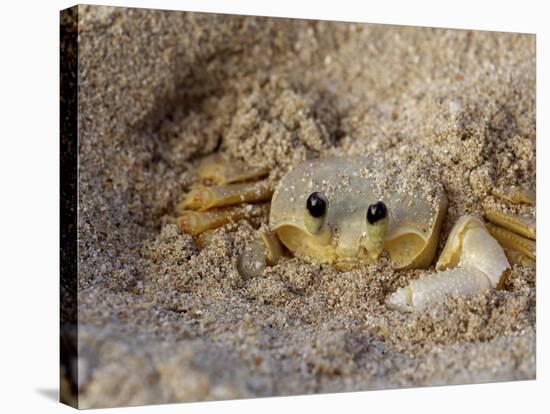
point(163, 321)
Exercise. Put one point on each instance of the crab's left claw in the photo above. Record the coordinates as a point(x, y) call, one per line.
point(471, 261)
point(265, 250)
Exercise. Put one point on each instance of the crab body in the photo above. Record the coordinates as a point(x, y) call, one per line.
point(413, 226)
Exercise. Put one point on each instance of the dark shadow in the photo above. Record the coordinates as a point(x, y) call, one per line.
point(51, 394)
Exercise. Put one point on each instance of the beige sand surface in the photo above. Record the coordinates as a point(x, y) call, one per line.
point(161, 321)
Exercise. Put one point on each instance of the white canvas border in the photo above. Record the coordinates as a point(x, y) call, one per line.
point(29, 175)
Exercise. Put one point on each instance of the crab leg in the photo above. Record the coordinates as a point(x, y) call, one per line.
point(513, 241)
point(471, 261)
point(204, 238)
point(197, 222)
point(204, 198)
point(516, 195)
point(524, 226)
point(517, 234)
point(515, 257)
point(218, 170)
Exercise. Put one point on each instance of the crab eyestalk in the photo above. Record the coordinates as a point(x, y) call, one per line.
point(315, 217)
point(377, 227)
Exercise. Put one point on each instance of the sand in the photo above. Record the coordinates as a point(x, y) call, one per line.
point(161, 320)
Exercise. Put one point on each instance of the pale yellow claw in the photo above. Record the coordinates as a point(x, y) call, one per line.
point(450, 255)
point(431, 289)
point(516, 195)
point(524, 226)
point(252, 261)
point(265, 250)
point(205, 198)
point(473, 262)
point(513, 241)
point(217, 169)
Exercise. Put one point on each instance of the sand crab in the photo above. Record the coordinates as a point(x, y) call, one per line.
point(338, 210)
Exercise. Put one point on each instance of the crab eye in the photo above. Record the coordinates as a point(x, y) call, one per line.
point(377, 222)
point(317, 204)
point(316, 211)
point(376, 212)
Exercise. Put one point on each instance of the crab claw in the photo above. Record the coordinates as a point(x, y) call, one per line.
point(265, 250)
point(471, 261)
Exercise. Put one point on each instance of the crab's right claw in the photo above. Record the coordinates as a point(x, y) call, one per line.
point(471, 261)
